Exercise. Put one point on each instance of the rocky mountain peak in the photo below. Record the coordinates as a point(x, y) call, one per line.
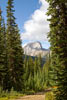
point(34, 45)
point(35, 49)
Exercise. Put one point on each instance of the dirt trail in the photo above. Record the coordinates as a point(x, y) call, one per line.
point(32, 97)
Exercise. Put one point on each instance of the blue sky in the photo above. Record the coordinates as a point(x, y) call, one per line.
point(25, 12)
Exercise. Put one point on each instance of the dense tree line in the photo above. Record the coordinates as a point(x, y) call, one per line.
point(36, 75)
point(58, 39)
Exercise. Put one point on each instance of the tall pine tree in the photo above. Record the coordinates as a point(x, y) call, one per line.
point(14, 51)
point(2, 50)
point(58, 39)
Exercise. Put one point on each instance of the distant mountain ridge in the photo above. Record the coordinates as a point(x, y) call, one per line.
point(35, 49)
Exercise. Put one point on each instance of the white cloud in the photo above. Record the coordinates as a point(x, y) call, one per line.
point(37, 27)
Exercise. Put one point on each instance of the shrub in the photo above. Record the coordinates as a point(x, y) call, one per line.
point(49, 96)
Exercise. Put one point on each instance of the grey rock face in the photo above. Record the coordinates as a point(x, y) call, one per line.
point(35, 49)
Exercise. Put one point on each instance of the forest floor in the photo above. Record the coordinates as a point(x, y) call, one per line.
point(32, 97)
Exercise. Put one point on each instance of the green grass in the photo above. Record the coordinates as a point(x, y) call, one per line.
point(12, 95)
point(49, 96)
point(3, 98)
point(8, 98)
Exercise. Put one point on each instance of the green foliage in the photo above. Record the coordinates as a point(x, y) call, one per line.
point(14, 52)
point(58, 40)
point(49, 96)
point(6, 95)
point(36, 76)
point(11, 52)
point(2, 50)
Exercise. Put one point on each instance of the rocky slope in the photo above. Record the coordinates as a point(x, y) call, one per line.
point(35, 49)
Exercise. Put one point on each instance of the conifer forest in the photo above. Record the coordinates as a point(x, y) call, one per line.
point(22, 75)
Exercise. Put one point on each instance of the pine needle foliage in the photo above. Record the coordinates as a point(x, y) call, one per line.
point(14, 51)
point(58, 39)
point(2, 50)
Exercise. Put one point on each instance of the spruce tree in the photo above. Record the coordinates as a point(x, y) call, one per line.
point(26, 73)
point(35, 65)
point(58, 40)
point(14, 51)
point(2, 51)
point(31, 66)
point(46, 73)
